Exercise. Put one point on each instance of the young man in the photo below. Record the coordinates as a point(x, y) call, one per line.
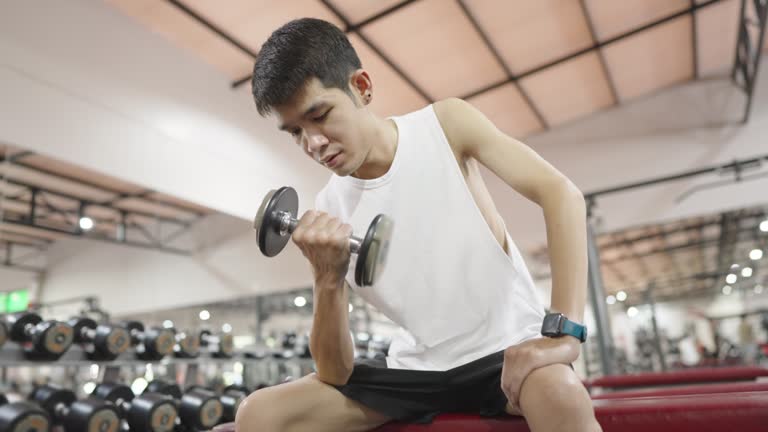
point(471, 338)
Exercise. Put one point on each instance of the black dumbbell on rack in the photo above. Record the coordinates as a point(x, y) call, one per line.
point(42, 340)
point(187, 345)
point(199, 409)
point(22, 417)
point(152, 344)
point(88, 415)
point(150, 412)
point(220, 345)
point(230, 397)
point(101, 342)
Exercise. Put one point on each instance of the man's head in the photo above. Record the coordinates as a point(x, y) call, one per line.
point(309, 75)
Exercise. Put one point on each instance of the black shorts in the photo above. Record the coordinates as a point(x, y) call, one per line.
point(418, 396)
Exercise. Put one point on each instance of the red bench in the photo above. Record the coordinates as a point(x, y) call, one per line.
point(731, 387)
point(742, 412)
point(685, 376)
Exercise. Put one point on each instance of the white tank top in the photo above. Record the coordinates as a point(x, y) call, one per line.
point(448, 283)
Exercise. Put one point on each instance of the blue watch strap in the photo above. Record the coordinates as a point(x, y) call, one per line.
point(576, 330)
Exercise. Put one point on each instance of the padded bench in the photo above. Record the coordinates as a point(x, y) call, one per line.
point(685, 376)
point(743, 412)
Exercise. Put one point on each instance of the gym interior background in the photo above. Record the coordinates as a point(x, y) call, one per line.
point(133, 162)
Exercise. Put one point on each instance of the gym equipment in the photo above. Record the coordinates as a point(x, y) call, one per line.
point(187, 345)
point(221, 345)
point(3, 333)
point(89, 415)
point(230, 398)
point(150, 412)
point(101, 342)
point(152, 344)
point(685, 376)
point(277, 219)
point(743, 412)
point(22, 417)
point(45, 340)
point(710, 389)
point(198, 408)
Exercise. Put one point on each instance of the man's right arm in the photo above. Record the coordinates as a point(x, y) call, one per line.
point(330, 343)
point(324, 241)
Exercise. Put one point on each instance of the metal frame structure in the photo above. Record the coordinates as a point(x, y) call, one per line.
point(43, 216)
point(596, 286)
point(749, 53)
point(597, 46)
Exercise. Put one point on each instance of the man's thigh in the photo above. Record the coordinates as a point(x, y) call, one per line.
point(304, 404)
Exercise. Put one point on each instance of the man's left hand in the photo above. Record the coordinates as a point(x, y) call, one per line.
point(522, 359)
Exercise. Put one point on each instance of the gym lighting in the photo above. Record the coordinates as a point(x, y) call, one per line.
point(89, 387)
point(610, 300)
point(632, 312)
point(139, 385)
point(764, 226)
point(758, 289)
point(167, 324)
point(727, 290)
point(94, 371)
point(300, 301)
point(351, 308)
point(746, 272)
point(86, 223)
point(755, 254)
point(731, 278)
point(226, 328)
point(205, 315)
point(621, 296)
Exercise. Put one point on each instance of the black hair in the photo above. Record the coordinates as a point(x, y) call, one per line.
point(297, 51)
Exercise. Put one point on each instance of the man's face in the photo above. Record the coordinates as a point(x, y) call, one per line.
point(326, 123)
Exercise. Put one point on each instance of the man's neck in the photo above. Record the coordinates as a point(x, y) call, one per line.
point(383, 145)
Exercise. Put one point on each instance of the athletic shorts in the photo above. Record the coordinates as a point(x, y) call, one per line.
point(418, 396)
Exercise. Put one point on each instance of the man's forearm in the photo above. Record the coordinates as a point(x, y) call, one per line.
point(565, 216)
point(330, 343)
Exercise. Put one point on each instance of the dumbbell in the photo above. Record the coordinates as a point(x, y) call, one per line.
point(151, 412)
point(276, 221)
point(22, 417)
point(187, 345)
point(102, 342)
point(221, 345)
point(198, 408)
point(41, 339)
point(231, 398)
point(88, 415)
point(151, 344)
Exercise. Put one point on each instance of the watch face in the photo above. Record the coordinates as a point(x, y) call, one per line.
point(552, 325)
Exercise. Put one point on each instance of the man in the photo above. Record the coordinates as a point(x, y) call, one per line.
point(455, 282)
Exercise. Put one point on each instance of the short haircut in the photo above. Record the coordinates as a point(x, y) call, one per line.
point(294, 53)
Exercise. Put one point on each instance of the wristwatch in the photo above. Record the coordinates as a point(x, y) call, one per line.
point(557, 325)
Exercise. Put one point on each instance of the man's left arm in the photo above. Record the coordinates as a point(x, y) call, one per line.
point(473, 135)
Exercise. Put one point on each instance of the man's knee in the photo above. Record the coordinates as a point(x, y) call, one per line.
point(262, 410)
point(556, 388)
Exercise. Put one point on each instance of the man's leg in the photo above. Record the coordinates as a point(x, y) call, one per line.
point(553, 398)
point(303, 405)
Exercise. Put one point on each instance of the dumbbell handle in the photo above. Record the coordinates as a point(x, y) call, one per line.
point(288, 225)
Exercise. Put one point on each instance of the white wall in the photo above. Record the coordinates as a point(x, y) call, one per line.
point(131, 280)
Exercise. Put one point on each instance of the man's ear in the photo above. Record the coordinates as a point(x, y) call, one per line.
point(362, 86)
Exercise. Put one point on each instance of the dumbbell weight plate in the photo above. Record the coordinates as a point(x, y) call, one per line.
point(200, 409)
point(23, 417)
point(56, 337)
point(159, 341)
point(18, 322)
point(267, 224)
point(49, 397)
point(113, 392)
point(152, 412)
point(189, 345)
point(164, 388)
point(226, 345)
point(110, 341)
point(80, 323)
point(230, 402)
point(92, 415)
point(371, 258)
